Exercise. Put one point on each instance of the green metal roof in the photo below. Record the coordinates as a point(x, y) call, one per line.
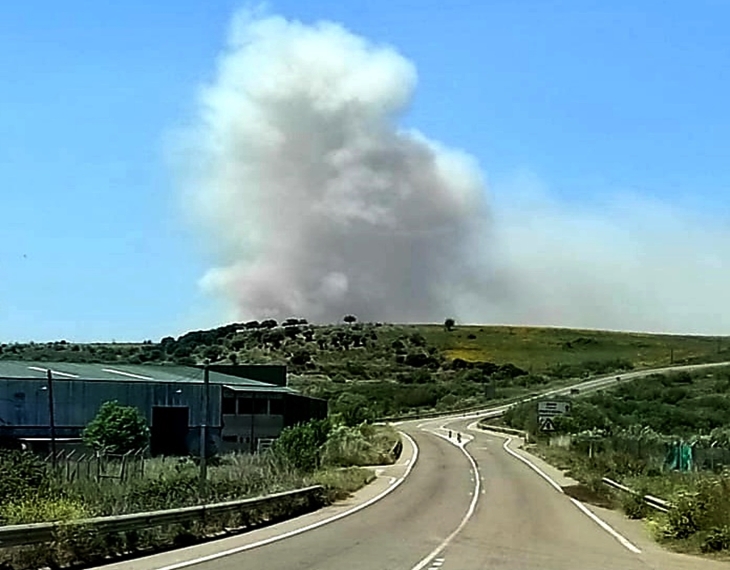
point(127, 373)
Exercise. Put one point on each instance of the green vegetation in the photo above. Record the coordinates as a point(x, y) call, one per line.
point(369, 370)
point(324, 452)
point(676, 404)
point(117, 429)
point(631, 433)
point(296, 460)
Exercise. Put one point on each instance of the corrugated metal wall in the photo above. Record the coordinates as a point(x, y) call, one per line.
point(25, 402)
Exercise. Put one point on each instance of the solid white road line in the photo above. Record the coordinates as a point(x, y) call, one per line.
point(425, 561)
point(585, 510)
point(231, 551)
point(532, 466)
point(604, 525)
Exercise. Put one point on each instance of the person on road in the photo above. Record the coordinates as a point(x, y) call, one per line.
point(458, 437)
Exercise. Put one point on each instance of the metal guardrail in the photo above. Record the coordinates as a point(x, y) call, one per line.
point(501, 429)
point(439, 414)
point(652, 501)
point(26, 534)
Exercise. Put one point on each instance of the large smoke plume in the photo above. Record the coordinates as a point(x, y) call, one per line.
point(320, 205)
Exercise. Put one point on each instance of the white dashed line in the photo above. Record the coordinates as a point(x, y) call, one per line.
point(470, 511)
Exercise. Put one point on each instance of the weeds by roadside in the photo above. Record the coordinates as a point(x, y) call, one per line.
point(172, 483)
point(699, 519)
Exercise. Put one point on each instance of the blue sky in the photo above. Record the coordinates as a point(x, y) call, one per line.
point(589, 97)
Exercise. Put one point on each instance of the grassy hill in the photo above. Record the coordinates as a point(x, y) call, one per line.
point(540, 349)
point(385, 369)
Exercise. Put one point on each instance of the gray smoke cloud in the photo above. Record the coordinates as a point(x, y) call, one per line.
point(320, 205)
point(323, 204)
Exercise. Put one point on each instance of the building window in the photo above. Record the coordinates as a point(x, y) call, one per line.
point(258, 406)
point(230, 438)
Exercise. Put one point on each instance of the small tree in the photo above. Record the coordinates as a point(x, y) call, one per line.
point(301, 445)
point(117, 429)
point(300, 357)
point(275, 338)
point(349, 319)
point(449, 324)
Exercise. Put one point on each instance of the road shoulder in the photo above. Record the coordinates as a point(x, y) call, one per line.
point(387, 478)
point(636, 531)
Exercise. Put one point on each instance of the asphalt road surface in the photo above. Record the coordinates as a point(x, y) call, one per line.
point(466, 505)
point(434, 521)
point(522, 522)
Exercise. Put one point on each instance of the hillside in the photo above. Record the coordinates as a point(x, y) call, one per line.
point(388, 369)
point(679, 404)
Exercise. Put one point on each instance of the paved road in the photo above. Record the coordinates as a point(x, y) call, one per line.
point(463, 507)
point(522, 522)
point(393, 533)
point(583, 387)
point(519, 521)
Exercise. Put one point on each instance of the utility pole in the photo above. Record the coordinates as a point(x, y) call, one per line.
point(253, 409)
point(204, 434)
point(51, 416)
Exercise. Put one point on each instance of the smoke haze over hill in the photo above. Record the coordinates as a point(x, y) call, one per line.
point(320, 205)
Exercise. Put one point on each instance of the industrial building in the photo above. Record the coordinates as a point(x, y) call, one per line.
point(46, 404)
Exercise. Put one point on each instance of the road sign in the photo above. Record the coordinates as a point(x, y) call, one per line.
point(550, 408)
point(546, 424)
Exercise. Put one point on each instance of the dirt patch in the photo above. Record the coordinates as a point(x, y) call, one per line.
point(585, 494)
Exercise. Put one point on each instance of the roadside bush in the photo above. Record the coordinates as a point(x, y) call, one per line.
point(353, 409)
point(685, 518)
point(634, 506)
point(340, 483)
point(347, 446)
point(117, 429)
point(21, 474)
point(717, 539)
point(161, 493)
point(301, 445)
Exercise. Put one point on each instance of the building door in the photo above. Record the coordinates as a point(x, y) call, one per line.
point(169, 430)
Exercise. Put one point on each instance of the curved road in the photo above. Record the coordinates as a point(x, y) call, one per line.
point(518, 521)
point(464, 506)
point(522, 522)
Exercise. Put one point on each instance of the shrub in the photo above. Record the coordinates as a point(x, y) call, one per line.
point(717, 539)
point(340, 483)
point(684, 518)
point(634, 506)
point(21, 474)
point(117, 429)
point(301, 445)
point(347, 446)
point(353, 409)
